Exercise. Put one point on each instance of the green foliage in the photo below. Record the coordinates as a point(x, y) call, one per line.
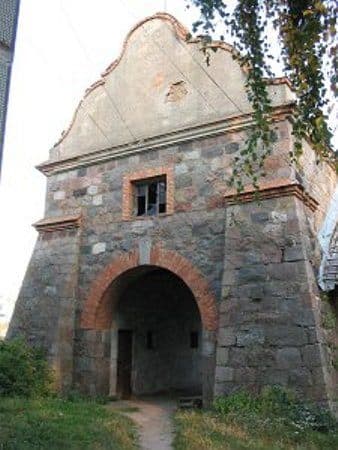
point(274, 420)
point(54, 424)
point(324, 296)
point(329, 320)
point(275, 405)
point(307, 33)
point(23, 370)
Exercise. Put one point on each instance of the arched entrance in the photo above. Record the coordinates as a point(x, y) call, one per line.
point(158, 334)
point(162, 319)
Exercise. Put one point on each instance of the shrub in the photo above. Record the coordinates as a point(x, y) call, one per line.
point(23, 370)
point(275, 406)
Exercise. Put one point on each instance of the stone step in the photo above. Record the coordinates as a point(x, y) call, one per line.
point(190, 402)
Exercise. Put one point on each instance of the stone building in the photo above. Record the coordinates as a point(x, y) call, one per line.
point(148, 274)
point(9, 10)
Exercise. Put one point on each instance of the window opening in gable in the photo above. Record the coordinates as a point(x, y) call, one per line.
point(150, 196)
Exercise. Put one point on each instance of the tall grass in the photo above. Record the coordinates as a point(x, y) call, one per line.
point(274, 420)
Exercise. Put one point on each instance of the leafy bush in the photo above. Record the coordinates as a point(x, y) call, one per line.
point(23, 370)
point(275, 408)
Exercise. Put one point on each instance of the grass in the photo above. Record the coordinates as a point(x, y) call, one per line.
point(56, 424)
point(205, 430)
point(242, 422)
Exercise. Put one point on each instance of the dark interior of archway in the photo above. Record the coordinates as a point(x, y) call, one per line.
point(159, 313)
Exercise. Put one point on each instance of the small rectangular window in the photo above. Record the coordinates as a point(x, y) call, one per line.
point(150, 196)
point(194, 339)
point(150, 340)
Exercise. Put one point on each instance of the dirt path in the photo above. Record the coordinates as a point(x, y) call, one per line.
point(154, 419)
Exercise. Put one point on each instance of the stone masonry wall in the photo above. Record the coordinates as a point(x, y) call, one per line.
point(270, 329)
point(320, 180)
point(45, 310)
point(256, 257)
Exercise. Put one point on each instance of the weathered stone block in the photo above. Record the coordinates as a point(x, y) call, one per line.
point(295, 253)
point(99, 247)
point(224, 374)
point(222, 356)
point(233, 147)
point(82, 172)
point(300, 377)
point(59, 195)
point(80, 192)
point(183, 181)
point(213, 153)
point(283, 335)
point(288, 358)
point(226, 337)
point(97, 200)
point(92, 190)
point(259, 217)
point(250, 336)
point(311, 355)
point(252, 273)
point(274, 377)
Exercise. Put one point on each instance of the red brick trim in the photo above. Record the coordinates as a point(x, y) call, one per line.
point(127, 189)
point(57, 223)
point(274, 189)
point(97, 312)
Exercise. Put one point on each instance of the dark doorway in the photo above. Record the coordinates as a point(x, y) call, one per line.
point(124, 363)
point(163, 315)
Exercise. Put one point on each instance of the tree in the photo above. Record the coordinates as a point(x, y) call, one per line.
point(307, 33)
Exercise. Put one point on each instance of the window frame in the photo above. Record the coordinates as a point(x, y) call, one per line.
point(142, 176)
point(146, 183)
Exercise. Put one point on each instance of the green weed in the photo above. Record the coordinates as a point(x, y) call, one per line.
point(56, 424)
point(274, 420)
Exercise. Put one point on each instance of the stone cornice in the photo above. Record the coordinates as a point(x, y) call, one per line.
point(274, 189)
point(228, 125)
point(50, 224)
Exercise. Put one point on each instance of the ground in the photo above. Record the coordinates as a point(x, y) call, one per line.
point(208, 431)
point(57, 424)
point(152, 424)
point(154, 417)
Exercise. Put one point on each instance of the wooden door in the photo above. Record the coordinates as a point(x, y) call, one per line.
point(124, 363)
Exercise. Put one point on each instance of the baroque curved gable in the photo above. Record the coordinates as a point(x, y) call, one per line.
point(160, 84)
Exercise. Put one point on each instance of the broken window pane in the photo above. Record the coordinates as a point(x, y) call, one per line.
point(162, 196)
point(151, 197)
point(141, 195)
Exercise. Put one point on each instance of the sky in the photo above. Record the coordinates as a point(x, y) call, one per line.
point(62, 47)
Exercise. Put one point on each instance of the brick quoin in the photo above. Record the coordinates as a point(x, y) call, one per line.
point(98, 309)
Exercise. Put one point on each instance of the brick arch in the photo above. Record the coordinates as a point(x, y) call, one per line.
point(160, 257)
